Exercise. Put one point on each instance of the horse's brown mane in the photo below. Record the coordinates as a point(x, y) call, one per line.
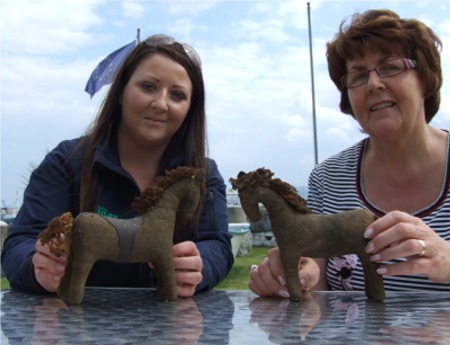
point(150, 196)
point(263, 177)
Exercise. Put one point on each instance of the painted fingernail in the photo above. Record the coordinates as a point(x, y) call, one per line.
point(382, 270)
point(368, 233)
point(370, 248)
point(375, 257)
point(283, 293)
point(281, 280)
point(302, 282)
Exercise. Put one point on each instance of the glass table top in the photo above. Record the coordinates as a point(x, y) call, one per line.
point(137, 316)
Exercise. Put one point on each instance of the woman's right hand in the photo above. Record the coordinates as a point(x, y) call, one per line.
point(267, 278)
point(48, 268)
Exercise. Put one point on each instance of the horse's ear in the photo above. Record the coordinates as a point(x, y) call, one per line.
point(267, 173)
point(201, 175)
point(238, 181)
point(200, 179)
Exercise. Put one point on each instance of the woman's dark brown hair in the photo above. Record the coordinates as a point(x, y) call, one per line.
point(190, 138)
point(386, 32)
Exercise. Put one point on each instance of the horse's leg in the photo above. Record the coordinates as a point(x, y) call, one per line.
point(163, 262)
point(373, 281)
point(165, 271)
point(71, 288)
point(64, 286)
point(290, 256)
point(89, 242)
point(153, 243)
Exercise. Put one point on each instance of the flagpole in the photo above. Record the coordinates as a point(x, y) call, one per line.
point(316, 160)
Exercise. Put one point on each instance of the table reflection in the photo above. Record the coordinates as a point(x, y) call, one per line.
point(137, 316)
point(116, 316)
point(278, 318)
point(350, 318)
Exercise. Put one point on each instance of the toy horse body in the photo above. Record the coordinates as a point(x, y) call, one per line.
point(299, 232)
point(146, 238)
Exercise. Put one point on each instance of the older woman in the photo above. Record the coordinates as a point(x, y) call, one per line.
point(388, 71)
point(152, 119)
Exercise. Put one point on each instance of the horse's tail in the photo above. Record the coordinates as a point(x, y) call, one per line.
point(58, 234)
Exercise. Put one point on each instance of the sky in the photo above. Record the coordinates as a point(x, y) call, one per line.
point(256, 66)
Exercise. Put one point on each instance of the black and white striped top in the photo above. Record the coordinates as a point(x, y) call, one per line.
point(335, 186)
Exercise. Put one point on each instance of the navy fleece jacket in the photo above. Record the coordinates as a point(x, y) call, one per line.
point(54, 189)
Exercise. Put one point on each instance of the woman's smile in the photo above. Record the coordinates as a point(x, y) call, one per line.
point(382, 105)
point(154, 120)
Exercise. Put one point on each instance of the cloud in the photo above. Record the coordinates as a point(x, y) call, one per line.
point(47, 27)
point(190, 8)
point(134, 9)
point(184, 26)
point(256, 64)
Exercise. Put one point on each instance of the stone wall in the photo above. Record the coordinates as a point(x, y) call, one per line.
point(3, 233)
point(260, 234)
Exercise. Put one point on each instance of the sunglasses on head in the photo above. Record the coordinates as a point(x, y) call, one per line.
point(160, 40)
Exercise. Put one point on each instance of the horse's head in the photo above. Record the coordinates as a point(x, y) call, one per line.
point(190, 190)
point(194, 188)
point(181, 187)
point(246, 185)
point(250, 203)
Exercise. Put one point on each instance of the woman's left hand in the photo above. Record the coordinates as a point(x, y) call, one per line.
point(401, 235)
point(188, 266)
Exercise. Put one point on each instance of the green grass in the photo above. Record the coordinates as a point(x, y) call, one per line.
point(5, 284)
point(237, 279)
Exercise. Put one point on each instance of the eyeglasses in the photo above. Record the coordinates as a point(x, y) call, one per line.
point(160, 40)
point(387, 69)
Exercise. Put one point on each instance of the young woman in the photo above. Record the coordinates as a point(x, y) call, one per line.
point(152, 119)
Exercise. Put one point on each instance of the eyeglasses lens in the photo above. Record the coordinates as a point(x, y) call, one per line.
point(387, 69)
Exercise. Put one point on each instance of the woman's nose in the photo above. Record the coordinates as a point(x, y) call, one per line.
point(159, 101)
point(374, 81)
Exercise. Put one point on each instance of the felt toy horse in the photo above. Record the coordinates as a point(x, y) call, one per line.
point(299, 232)
point(147, 238)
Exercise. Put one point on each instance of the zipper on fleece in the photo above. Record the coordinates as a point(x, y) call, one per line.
point(210, 210)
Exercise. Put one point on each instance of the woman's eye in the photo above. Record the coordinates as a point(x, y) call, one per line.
point(389, 68)
point(178, 96)
point(357, 76)
point(148, 86)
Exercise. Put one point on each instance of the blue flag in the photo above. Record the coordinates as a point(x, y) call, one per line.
point(105, 71)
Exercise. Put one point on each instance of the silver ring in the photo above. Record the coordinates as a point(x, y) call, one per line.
point(424, 247)
point(253, 267)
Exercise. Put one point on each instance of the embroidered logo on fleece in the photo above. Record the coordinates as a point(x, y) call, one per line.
point(102, 211)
